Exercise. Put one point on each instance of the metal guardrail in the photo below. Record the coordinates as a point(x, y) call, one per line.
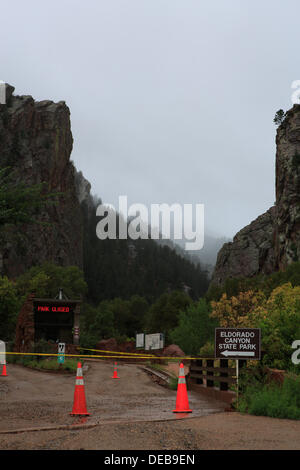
point(162, 375)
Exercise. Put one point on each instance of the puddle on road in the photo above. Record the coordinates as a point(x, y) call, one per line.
point(149, 408)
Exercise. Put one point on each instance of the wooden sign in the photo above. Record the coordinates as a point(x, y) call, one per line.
point(237, 343)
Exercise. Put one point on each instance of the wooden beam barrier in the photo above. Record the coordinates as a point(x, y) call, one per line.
point(209, 372)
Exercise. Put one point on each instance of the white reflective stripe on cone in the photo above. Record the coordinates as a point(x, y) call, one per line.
point(79, 373)
point(79, 382)
point(181, 380)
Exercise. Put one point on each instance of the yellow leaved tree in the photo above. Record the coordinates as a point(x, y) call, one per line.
point(244, 310)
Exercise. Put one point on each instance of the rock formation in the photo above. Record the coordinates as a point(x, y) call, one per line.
point(36, 141)
point(83, 189)
point(250, 252)
point(272, 241)
point(287, 226)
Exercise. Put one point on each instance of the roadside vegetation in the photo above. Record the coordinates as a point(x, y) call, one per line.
point(263, 397)
point(173, 383)
point(46, 364)
point(271, 303)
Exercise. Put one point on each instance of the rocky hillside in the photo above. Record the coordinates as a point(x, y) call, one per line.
point(272, 241)
point(36, 141)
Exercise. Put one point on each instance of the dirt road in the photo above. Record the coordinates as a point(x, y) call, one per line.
point(32, 398)
point(130, 413)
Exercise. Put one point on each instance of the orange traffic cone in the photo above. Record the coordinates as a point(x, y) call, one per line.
point(79, 405)
point(115, 376)
point(4, 374)
point(182, 402)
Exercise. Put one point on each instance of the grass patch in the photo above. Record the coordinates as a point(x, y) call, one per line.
point(155, 366)
point(49, 364)
point(173, 383)
point(69, 365)
point(273, 400)
point(173, 380)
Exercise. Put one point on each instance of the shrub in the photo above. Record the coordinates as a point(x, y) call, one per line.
point(9, 306)
point(271, 399)
point(173, 383)
point(43, 364)
point(207, 350)
point(280, 325)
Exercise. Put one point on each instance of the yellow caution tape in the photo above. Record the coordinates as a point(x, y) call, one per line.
point(111, 357)
point(72, 355)
point(118, 352)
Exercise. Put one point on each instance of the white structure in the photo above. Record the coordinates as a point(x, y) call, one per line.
point(2, 353)
point(140, 340)
point(154, 341)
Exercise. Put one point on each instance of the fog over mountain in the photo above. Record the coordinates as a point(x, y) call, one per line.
point(207, 256)
point(170, 101)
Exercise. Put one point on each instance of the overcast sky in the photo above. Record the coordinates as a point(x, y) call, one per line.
point(172, 101)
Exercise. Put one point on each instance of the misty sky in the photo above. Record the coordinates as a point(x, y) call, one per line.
point(171, 100)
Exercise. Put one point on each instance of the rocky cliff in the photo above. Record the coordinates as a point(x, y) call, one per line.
point(272, 241)
point(36, 140)
point(287, 224)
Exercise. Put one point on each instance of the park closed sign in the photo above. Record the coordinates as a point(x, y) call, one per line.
point(237, 343)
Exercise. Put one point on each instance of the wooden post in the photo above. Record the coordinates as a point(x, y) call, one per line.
point(199, 363)
point(237, 381)
point(224, 364)
point(209, 363)
point(76, 324)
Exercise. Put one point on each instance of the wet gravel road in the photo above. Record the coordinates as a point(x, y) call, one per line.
point(130, 413)
point(31, 398)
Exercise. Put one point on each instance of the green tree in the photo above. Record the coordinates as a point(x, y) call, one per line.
point(164, 313)
point(120, 313)
point(103, 326)
point(88, 336)
point(113, 318)
point(9, 309)
point(195, 327)
point(280, 326)
point(264, 283)
point(20, 203)
point(124, 268)
point(46, 280)
point(279, 117)
point(138, 307)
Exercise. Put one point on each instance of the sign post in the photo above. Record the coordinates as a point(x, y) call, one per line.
point(2, 353)
point(237, 380)
point(238, 343)
point(61, 352)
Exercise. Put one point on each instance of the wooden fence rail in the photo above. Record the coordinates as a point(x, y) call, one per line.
point(212, 372)
point(214, 377)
